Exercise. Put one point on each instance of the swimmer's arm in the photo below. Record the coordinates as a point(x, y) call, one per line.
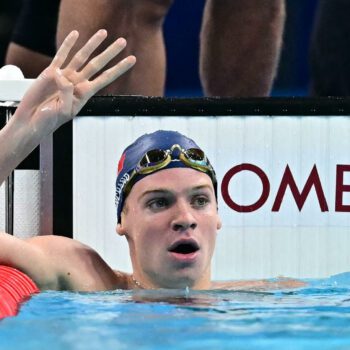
point(15, 144)
point(57, 95)
point(260, 285)
point(279, 283)
point(58, 263)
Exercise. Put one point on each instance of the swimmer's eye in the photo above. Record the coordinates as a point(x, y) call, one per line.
point(158, 203)
point(200, 201)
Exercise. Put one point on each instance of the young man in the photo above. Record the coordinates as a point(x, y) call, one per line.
point(165, 192)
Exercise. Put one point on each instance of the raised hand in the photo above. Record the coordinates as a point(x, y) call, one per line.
point(64, 87)
point(57, 96)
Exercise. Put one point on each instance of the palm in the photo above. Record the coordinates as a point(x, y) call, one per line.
point(60, 93)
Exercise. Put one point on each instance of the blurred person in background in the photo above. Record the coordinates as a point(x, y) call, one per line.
point(239, 53)
point(8, 14)
point(240, 42)
point(32, 43)
point(330, 54)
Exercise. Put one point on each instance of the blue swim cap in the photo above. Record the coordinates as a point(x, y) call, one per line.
point(132, 155)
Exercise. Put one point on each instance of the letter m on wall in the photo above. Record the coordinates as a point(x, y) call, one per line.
point(300, 197)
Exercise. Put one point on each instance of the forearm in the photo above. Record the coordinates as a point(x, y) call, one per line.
point(17, 140)
point(241, 42)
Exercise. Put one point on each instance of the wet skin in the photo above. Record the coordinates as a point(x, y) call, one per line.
point(165, 211)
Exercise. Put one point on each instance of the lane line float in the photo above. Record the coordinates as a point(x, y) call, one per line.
point(15, 287)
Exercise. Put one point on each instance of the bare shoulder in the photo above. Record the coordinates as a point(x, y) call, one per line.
point(62, 250)
point(260, 285)
point(53, 243)
point(79, 267)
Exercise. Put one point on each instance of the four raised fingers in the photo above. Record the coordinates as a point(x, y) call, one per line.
point(84, 88)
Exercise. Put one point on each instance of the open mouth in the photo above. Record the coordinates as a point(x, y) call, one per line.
point(184, 247)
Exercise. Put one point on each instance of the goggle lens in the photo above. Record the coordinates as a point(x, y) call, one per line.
point(195, 154)
point(152, 158)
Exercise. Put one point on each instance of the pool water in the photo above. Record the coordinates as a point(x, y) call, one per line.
point(315, 317)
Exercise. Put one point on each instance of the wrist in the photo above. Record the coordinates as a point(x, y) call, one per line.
point(19, 138)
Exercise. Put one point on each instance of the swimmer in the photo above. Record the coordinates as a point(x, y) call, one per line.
point(166, 193)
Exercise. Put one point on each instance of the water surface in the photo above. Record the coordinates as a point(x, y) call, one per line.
point(315, 317)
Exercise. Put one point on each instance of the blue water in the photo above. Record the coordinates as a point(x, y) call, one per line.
point(315, 317)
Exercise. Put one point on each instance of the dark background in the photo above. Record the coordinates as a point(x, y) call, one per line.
point(182, 33)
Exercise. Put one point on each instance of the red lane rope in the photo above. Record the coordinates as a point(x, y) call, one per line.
point(15, 287)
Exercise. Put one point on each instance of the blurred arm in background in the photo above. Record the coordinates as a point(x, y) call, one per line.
point(140, 22)
point(240, 46)
point(240, 42)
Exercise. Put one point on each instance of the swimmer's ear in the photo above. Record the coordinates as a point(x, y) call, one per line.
point(121, 226)
point(120, 229)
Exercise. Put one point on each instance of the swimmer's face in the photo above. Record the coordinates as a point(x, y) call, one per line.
point(170, 220)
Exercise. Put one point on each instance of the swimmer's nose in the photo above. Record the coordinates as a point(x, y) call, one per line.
point(183, 218)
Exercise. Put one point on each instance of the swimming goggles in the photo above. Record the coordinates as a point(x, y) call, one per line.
point(157, 159)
